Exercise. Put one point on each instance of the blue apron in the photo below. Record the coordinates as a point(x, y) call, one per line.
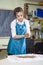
point(18, 46)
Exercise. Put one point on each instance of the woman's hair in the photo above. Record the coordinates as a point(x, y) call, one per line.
point(17, 9)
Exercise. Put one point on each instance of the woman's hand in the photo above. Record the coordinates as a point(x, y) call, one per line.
point(26, 35)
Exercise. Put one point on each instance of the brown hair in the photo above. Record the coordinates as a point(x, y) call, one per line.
point(18, 9)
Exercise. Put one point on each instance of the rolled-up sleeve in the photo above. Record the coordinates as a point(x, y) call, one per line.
point(13, 29)
point(28, 27)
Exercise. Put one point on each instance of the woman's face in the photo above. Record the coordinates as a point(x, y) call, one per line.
point(19, 16)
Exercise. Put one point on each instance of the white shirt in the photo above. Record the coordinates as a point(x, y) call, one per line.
point(13, 26)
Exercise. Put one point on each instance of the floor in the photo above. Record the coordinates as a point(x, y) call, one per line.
point(3, 54)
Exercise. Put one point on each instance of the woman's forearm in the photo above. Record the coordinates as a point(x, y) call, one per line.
point(18, 36)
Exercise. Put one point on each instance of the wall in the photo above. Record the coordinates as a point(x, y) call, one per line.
point(10, 4)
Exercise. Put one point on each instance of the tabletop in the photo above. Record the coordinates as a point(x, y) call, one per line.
point(30, 59)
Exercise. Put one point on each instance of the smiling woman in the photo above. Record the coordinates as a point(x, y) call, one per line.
point(6, 16)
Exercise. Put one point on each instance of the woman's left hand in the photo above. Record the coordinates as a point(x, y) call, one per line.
point(26, 35)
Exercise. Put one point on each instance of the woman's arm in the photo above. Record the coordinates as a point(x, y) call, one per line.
point(28, 33)
point(19, 36)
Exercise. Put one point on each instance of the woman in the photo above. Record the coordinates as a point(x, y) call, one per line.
point(20, 30)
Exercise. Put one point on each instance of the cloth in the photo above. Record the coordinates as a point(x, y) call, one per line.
point(18, 46)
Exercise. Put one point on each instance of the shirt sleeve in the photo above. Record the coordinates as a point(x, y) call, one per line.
point(13, 28)
point(28, 27)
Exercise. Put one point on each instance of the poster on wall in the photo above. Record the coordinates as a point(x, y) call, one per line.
point(6, 17)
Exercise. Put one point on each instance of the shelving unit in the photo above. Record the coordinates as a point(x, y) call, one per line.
point(36, 26)
point(35, 19)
